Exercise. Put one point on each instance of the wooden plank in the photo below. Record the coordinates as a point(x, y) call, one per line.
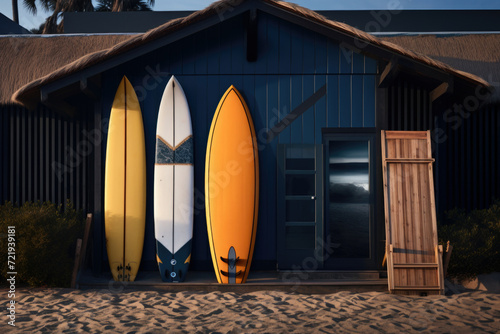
point(320, 112)
point(282, 128)
point(308, 50)
point(273, 43)
point(418, 288)
point(297, 45)
point(238, 47)
point(358, 63)
point(386, 207)
point(405, 135)
point(285, 49)
point(440, 275)
point(309, 115)
point(252, 38)
point(225, 51)
point(411, 229)
point(369, 99)
point(444, 89)
point(370, 66)
point(86, 234)
point(201, 59)
point(431, 192)
point(296, 99)
point(387, 258)
point(332, 97)
point(213, 51)
point(449, 249)
point(345, 59)
point(415, 265)
point(410, 160)
point(417, 209)
point(333, 57)
point(389, 74)
point(390, 266)
point(320, 54)
point(345, 100)
point(357, 101)
point(77, 263)
point(402, 277)
point(386, 187)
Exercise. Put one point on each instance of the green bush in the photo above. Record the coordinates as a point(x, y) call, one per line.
point(45, 242)
point(476, 241)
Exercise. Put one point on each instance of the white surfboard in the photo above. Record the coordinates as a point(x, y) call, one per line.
point(173, 184)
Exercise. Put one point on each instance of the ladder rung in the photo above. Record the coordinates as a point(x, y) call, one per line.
point(415, 265)
point(418, 287)
point(410, 160)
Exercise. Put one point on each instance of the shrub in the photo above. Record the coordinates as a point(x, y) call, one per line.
point(45, 242)
point(476, 241)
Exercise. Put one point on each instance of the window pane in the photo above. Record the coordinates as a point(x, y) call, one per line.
point(300, 211)
point(300, 164)
point(300, 237)
point(300, 185)
point(349, 193)
point(300, 157)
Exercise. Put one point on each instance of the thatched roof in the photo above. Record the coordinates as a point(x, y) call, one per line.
point(478, 54)
point(31, 90)
point(24, 59)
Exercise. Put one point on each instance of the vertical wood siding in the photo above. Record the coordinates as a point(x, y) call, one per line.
point(466, 146)
point(44, 157)
point(292, 64)
point(471, 150)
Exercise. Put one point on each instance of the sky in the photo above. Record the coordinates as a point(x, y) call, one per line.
point(30, 21)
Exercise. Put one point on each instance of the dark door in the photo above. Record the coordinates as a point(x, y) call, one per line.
point(350, 201)
point(300, 206)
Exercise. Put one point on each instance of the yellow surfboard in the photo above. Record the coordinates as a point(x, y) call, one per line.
point(125, 185)
point(232, 188)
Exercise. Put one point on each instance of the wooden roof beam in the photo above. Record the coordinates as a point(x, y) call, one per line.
point(443, 90)
point(390, 73)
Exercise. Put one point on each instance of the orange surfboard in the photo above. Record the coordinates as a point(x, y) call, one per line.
point(232, 188)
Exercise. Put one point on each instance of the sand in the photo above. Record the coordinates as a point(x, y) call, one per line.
point(129, 311)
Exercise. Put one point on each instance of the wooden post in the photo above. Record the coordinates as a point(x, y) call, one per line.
point(449, 249)
point(81, 250)
point(86, 235)
point(77, 262)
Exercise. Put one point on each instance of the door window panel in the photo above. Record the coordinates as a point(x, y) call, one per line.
point(349, 197)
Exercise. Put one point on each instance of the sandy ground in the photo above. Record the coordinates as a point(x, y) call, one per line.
point(97, 311)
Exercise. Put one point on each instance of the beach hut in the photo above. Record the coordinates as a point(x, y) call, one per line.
point(319, 92)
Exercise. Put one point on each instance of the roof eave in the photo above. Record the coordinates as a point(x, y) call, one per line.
point(174, 30)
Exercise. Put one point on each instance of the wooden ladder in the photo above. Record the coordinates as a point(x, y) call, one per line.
point(414, 258)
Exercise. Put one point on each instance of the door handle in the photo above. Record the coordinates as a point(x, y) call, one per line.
point(313, 197)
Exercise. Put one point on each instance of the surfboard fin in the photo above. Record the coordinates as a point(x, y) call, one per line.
point(231, 263)
point(225, 273)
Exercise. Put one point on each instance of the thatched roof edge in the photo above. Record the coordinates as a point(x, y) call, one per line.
point(89, 60)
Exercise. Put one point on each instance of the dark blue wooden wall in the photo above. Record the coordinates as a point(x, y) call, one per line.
point(292, 64)
point(44, 157)
point(466, 144)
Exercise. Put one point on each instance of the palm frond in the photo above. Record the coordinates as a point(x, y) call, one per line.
point(30, 6)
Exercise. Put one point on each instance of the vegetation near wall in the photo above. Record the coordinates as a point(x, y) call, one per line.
point(45, 239)
point(475, 237)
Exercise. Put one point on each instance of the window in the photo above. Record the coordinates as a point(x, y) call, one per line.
point(349, 194)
